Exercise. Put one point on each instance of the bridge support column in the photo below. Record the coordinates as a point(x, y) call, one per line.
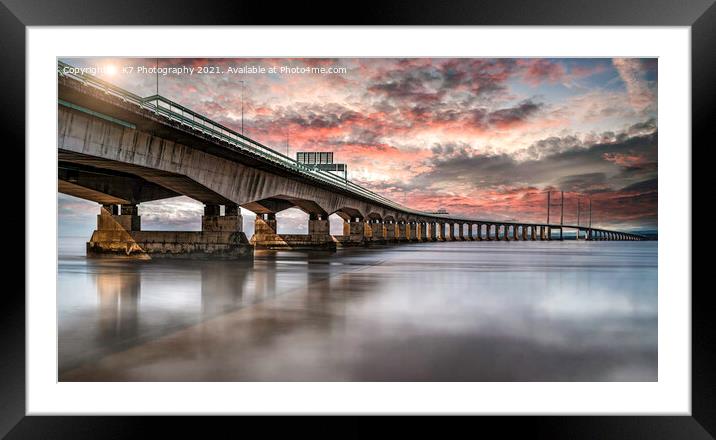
point(516, 232)
point(433, 233)
point(412, 231)
point(533, 233)
point(423, 231)
point(478, 236)
point(214, 222)
point(460, 231)
point(265, 224)
point(439, 231)
point(318, 237)
point(119, 234)
point(318, 225)
point(470, 237)
point(377, 231)
point(402, 231)
point(390, 231)
point(505, 232)
point(450, 234)
point(549, 233)
point(264, 230)
point(122, 218)
point(353, 232)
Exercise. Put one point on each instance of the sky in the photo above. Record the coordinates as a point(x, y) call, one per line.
point(478, 137)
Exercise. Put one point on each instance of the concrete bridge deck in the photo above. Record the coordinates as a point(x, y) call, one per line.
point(119, 150)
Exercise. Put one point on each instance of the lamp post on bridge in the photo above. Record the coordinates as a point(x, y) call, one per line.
point(561, 217)
point(590, 218)
point(549, 201)
point(579, 201)
point(242, 105)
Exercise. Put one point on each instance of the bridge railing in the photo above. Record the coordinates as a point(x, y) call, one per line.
point(185, 116)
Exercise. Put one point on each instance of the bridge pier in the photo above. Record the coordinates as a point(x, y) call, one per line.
point(433, 233)
point(412, 231)
point(505, 232)
point(318, 237)
point(470, 237)
point(422, 231)
point(353, 232)
point(390, 231)
point(377, 231)
point(452, 233)
point(439, 231)
point(402, 231)
point(119, 217)
point(461, 232)
point(119, 233)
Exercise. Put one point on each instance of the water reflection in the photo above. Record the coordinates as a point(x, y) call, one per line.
point(434, 311)
point(118, 297)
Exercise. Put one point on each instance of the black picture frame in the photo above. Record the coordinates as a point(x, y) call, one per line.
point(16, 15)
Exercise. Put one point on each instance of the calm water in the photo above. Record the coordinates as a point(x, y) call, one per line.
point(460, 311)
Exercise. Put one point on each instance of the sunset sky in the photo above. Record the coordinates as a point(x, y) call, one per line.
point(479, 137)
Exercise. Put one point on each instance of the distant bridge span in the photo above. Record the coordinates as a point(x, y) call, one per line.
point(119, 149)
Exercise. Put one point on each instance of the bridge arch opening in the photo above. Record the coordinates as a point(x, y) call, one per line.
point(374, 216)
point(175, 214)
point(336, 223)
point(292, 221)
point(338, 219)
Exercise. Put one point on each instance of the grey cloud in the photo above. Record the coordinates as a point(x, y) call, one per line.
point(566, 162)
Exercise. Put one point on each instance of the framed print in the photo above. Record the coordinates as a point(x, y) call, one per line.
point(474, 213)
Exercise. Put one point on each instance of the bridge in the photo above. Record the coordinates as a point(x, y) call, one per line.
point(120, 149)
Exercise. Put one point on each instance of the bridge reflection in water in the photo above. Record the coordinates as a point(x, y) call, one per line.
point(432, 311)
